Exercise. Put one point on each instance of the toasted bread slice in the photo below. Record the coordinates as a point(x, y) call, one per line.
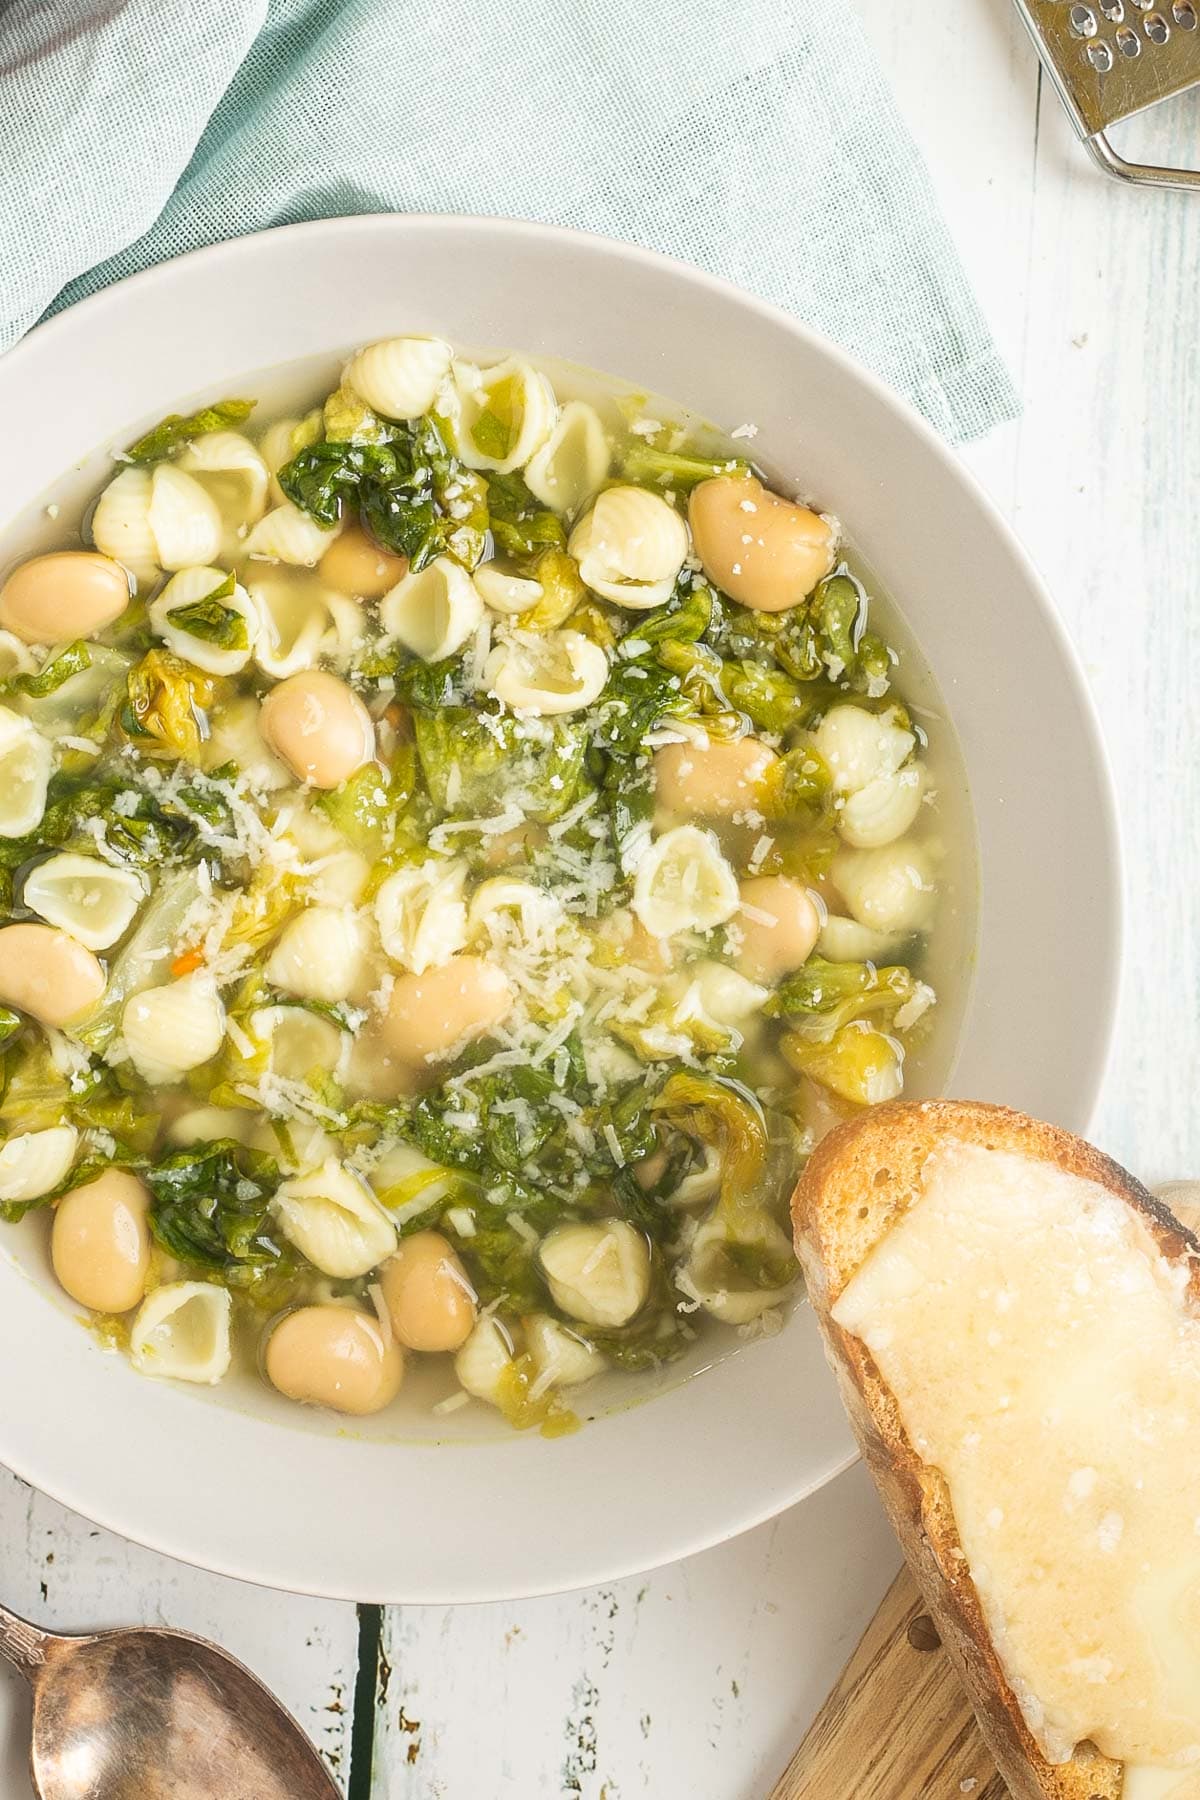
point(859, 1182)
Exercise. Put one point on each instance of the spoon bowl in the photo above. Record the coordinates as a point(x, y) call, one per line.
point(148, 1713)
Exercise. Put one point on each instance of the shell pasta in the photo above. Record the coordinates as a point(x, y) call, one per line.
point(470, 841)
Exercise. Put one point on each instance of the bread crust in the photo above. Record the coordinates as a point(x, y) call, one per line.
point(859, 1181)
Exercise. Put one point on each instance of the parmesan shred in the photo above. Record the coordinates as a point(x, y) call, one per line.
point(572, 816)
point(757, 916)
point(286, 1099)
point(543, 1383)
point(242, 1042)
point(509, 820)
point(598, 1254)
point(375, 1293)
point(614, 1144)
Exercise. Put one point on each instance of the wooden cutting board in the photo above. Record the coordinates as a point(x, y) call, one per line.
point(897, 1725)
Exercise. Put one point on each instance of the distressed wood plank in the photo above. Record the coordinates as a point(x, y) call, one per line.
point(698, 1679)
point(1109, 459)
point(64, 1573)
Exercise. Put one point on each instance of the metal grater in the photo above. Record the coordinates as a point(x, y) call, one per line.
point(1111, 58)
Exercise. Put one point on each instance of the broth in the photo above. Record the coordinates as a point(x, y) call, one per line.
point(474, 1043)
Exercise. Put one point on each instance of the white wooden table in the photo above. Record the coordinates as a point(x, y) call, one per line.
point(698, 1681)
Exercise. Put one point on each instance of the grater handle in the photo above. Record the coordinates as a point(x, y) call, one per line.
point(1139, 174)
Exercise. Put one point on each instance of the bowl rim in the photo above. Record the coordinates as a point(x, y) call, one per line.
point(1094, 1057)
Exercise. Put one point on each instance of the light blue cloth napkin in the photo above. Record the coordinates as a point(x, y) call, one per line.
point(754, 138)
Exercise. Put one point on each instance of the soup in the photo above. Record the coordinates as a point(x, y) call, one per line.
point(463, 838)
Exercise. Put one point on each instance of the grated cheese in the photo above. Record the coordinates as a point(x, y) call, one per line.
point(508, 820)
point(70, 1059)
point(923, 997)
point(242, 1042)
point(542, 1384)
point(573, 815)
point(375, 1294)
point(757, 915)
point(287, 1099)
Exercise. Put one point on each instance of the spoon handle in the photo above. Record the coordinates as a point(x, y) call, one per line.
point(22, 1644)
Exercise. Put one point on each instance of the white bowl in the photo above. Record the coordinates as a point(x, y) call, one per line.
point(242, 1488)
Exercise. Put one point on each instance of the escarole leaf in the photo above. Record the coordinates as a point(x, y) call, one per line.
point(627, 795)
point(346, 417)
point(521, 526)
point(799, 787)
point(137, 827)
point(411, 495)
point(473, 762)
point(210, 1207)
point(403, 520)
point(664, 670)
point(131, 1120)
point(178, 429)
point(717, 1110)
point(428, 686)
point(701, 676)
point(366, 807)
point(851, 652)
point(858, 1063)
point(788, 640)
point(502, 1262)
point(638, 694)
point(211, 621)
point(51, 676)
point(36, 1093)
point(687, 615)
point(320, 478)
point(164, 697)
point(563, 595)
point(261, 908)
point(523, 1407)
point(771, 699)
point(840, 609)
point(823, 996)
point(647, 467)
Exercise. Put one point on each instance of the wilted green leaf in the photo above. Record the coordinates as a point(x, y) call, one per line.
point(178, 429)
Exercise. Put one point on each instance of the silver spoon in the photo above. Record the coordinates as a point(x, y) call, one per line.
point(152, 1714)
